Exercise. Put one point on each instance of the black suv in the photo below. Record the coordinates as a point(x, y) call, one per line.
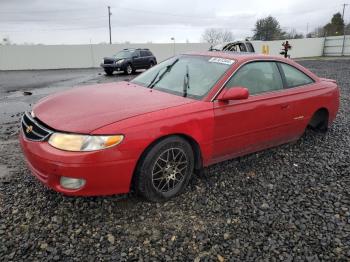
point(129, 60)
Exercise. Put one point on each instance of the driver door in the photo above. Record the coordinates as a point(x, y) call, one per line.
point(245, 126)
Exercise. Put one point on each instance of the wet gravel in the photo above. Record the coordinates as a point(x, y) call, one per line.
point(290, 203)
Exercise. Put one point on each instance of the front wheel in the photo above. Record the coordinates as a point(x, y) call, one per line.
point(128, 70)
point(165, 170)
point(109, 72)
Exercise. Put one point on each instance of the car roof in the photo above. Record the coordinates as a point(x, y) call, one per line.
point(238, 56)
point(133, 49)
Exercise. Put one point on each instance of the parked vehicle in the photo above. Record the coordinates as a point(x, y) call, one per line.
point(184, 114)
point(129, 60)
point(236, 46)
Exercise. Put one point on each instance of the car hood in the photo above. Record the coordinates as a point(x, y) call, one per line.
point(85, 109)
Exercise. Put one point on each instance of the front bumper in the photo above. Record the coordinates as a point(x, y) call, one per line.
point(115, 67)
point(102, 177)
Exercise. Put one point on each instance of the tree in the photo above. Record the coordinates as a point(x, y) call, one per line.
point(6, 41)
point(267, 29)
point(293, 34)
point(336, 26)
point(317, 32)
point(214, 36)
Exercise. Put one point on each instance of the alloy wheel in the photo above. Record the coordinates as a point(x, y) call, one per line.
point(129, 69)
point(169, 170)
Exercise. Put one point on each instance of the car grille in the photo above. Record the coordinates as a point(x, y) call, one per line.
point(33, 130)
point(108, 61)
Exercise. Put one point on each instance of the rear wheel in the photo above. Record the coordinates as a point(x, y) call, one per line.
point(319, 121)
point(151, 64)
point(165, 170)
point(109, 72)
point(129, 70)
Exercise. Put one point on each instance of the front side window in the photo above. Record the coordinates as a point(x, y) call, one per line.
point(258, 77)
point(242, 47)
point(195, 74)
point(294, 77)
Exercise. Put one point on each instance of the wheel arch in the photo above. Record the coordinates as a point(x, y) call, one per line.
point(198, 165)
point(319, 119)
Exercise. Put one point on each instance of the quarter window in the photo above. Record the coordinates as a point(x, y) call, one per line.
point(294, 77)
point(258, 77)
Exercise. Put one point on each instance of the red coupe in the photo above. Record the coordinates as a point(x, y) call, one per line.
point(184, 114)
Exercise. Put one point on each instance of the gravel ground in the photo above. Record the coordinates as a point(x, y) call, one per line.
point(290, 203)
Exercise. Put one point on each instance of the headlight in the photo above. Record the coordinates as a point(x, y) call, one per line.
point(120, 61)
point(72, 142)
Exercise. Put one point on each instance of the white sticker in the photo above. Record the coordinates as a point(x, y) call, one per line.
point(221, 61)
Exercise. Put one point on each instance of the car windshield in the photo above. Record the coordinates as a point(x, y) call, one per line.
point(123, 54)
point(186, 75)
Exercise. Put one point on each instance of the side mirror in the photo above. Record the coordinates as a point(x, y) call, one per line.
point(234, 93)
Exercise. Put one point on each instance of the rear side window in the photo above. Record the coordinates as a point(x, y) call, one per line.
point(294, 77)
point(258, 77)
point(149, 53)
point(144, 53)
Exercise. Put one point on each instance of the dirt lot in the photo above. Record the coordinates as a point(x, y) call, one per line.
point(290, 203)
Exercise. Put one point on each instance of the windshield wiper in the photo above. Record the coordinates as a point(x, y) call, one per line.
point(168, 68)
point(186, 82)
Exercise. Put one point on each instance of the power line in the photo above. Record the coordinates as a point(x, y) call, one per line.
point(47, 11)
point(51, 19)
point(54, 29)
point(165, 13)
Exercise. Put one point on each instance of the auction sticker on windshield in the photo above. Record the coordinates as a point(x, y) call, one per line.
point(221, 61)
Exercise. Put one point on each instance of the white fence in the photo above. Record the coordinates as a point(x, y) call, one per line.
point(17, 57)
point(333, 46)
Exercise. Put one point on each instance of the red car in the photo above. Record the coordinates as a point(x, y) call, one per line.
point(184, 114)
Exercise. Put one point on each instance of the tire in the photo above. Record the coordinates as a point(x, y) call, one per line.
point(319, 121)
point(128, 69)
point(109, 72)
point(151, 64)
point(165, 170)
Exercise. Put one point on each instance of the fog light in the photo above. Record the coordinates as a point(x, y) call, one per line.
point(72, 183)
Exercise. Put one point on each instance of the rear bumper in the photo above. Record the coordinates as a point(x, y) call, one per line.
point(102, 178)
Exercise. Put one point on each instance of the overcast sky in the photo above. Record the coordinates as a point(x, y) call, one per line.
point(140, 21)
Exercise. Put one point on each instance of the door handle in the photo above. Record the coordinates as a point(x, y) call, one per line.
point(286, 106)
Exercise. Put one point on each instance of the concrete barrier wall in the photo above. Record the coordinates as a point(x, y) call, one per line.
point(16, 57)
point(309, 47)
point(20, 57)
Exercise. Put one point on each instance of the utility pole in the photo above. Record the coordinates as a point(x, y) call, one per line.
point(109, 23)
point(342, 49)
